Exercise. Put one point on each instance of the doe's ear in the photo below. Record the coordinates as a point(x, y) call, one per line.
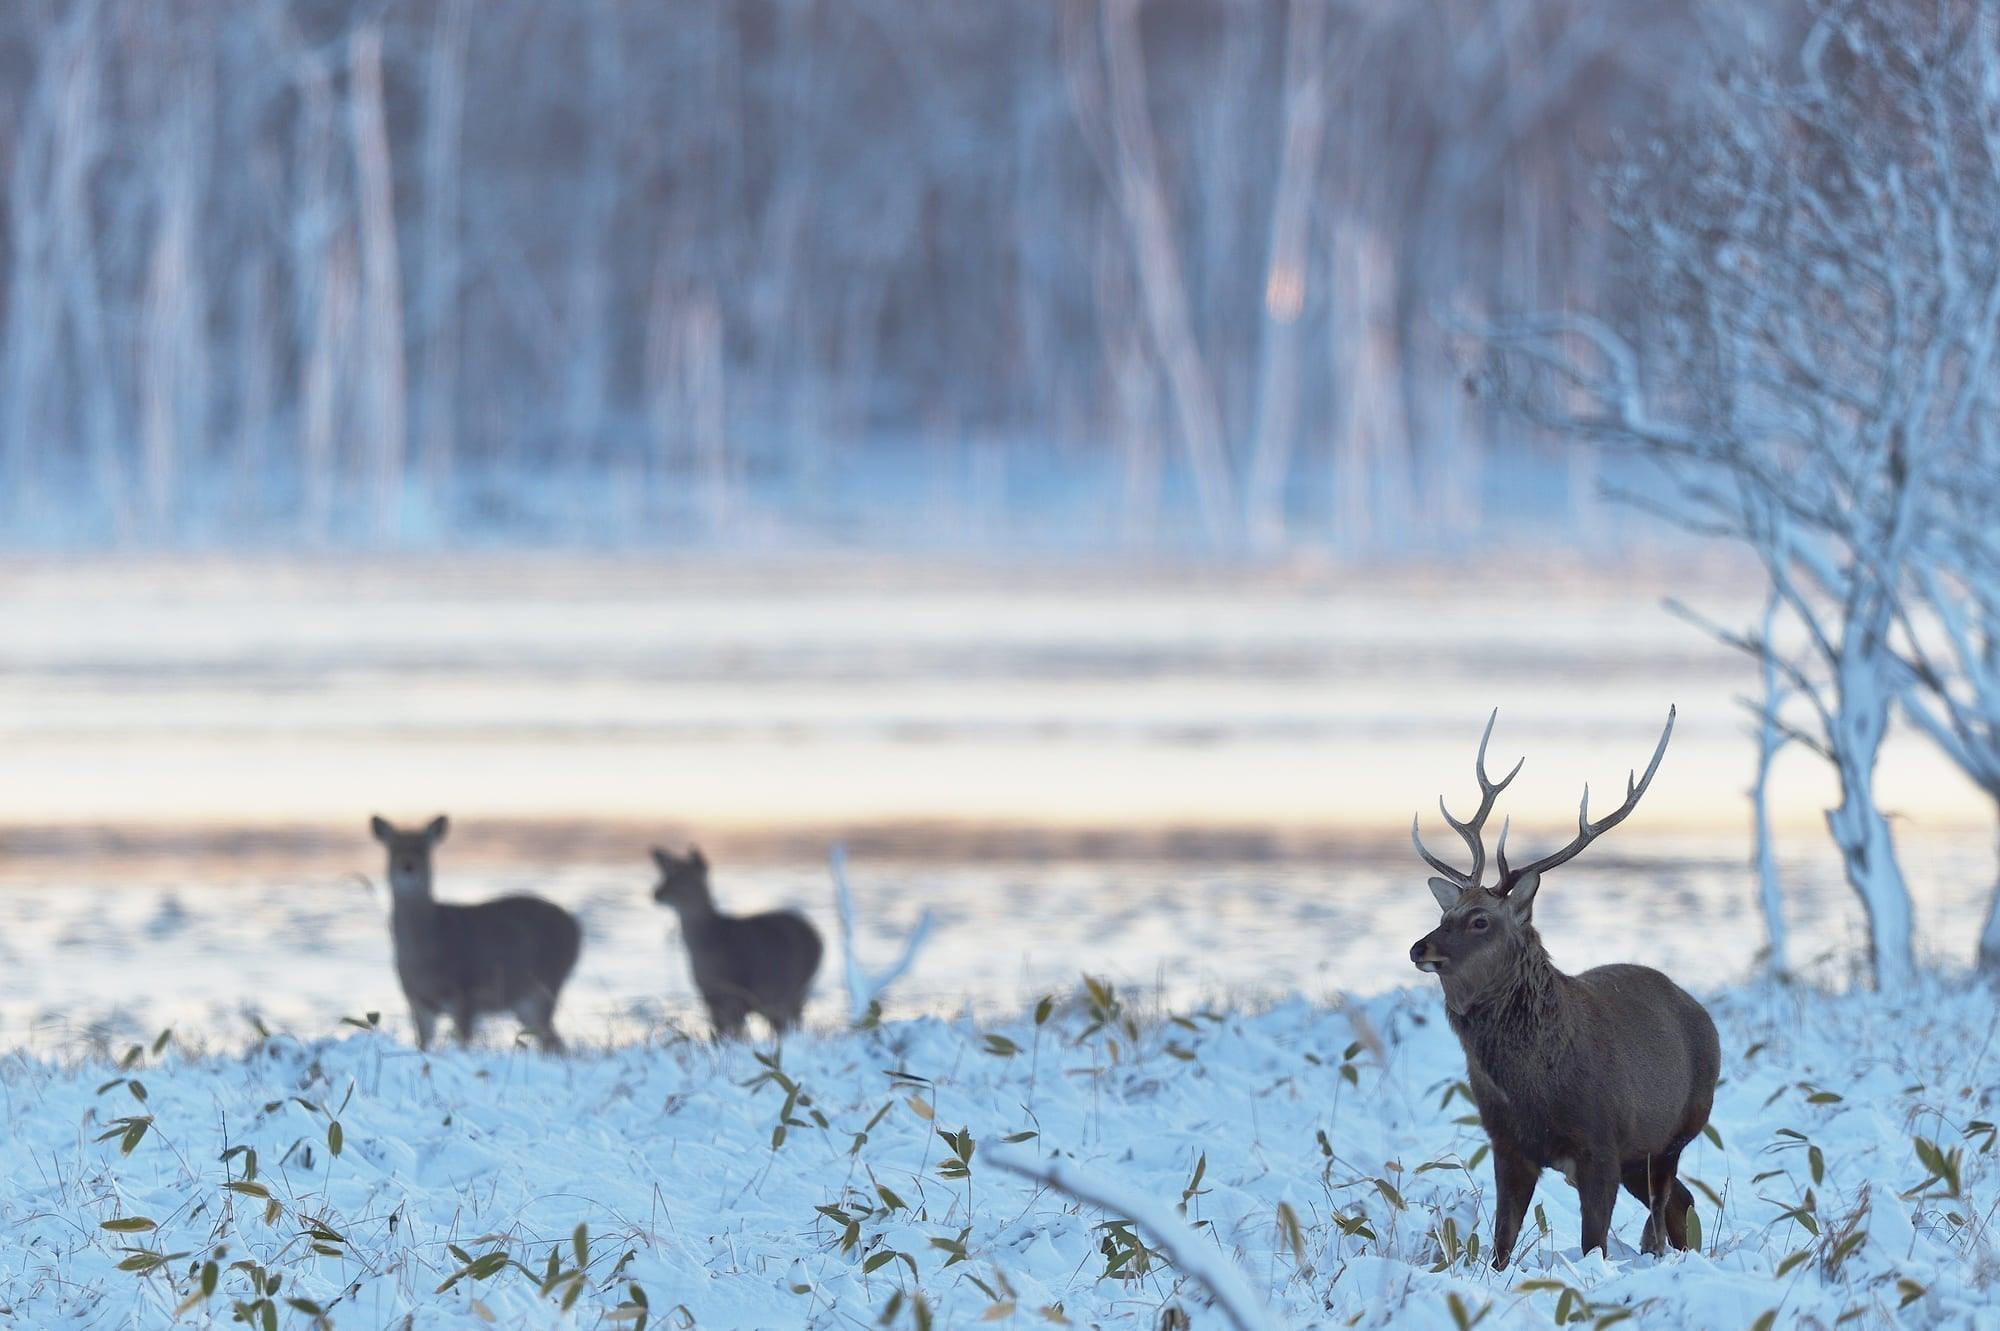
point(439, 826)
point(696, 858)
point(1446, 892)
point(664, 860)
point(1521, 897)
point(380, 827)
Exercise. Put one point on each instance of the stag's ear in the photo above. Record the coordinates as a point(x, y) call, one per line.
point(1446, 892)
point(439, 826)
point(380, 827)
point(1520, 898)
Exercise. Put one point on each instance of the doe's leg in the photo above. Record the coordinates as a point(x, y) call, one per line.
point(425, 1020)
point(537, 1014)
point(728, 1012)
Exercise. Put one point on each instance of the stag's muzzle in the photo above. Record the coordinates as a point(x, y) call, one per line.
point(1423, 956)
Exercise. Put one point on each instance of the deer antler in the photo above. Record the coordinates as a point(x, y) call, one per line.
point(1470, 830)
point(1586, 831)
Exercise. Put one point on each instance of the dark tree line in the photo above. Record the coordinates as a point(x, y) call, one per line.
point(339, 273)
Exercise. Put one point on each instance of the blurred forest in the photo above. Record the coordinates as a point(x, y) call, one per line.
point(1150, 274)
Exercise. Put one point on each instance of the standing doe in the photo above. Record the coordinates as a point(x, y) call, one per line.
point(741, 963)
point(1605, 1075)
point(508, 955)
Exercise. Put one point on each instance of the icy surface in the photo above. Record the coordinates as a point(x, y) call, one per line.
point(92, 961)
point(1816, 1201)
point(716, 697)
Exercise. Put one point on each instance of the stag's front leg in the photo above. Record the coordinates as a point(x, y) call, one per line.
point(1597, 1190)
point(1514, 1178)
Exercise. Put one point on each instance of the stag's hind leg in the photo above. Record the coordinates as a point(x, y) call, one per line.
point(1668, 1201)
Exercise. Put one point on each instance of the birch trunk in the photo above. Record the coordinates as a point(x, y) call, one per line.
point(444, 124)
point(1275, 432)
point(383, 388)
point(1770, 739)
point(1867, 848)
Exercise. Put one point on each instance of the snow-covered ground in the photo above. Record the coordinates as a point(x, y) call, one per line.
point(847, 1179)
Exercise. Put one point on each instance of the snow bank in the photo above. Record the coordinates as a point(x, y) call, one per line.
point(844, 1180)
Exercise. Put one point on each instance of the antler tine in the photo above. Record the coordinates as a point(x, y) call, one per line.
point(1471, 830)
point(1486, 785)
point(1587, 831)
point(1444, 869)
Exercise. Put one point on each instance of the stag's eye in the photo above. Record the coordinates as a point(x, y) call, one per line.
point(1478, 922)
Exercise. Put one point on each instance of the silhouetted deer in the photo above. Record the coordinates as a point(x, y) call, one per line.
point(509, 955)
point(1604, 1075)
point(741, 963)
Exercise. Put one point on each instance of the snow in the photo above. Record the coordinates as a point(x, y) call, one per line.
point(669, 1156)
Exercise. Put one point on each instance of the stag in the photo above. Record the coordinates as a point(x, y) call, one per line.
point(1606, 1075)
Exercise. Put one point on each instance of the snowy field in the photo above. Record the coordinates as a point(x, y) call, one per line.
point(850, 1180)
point(1194, 788)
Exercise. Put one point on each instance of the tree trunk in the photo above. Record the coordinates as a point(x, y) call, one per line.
point(1285, 267)
point(1770, 739)
point(1868, 851)
point(1162, 284)
point(444, 124)
point(383, 388)
point(1989, 934)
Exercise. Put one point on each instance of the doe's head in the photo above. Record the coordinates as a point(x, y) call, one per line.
point(409, 853)
point(683, 878)
point(1483, 927)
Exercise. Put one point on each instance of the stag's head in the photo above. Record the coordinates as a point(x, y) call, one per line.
point(1485, 929)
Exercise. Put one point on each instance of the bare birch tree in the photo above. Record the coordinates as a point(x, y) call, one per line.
point(1806, 321)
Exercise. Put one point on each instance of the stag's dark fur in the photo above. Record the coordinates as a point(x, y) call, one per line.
point(508, 955)
point(741, 963)
point(1606, 1075)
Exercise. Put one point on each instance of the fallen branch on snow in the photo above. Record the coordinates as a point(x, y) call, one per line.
point(1199, 1260)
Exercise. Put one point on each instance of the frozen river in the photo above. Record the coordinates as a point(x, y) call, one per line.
point(1197, 783)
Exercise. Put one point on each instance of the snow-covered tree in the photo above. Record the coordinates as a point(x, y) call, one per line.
point(1953, 694)
point(1804, 325)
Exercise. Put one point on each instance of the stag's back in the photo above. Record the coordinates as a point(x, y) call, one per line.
point(1659, 1054)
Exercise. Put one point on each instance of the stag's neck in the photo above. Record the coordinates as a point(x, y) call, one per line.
point(1523, 1010)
